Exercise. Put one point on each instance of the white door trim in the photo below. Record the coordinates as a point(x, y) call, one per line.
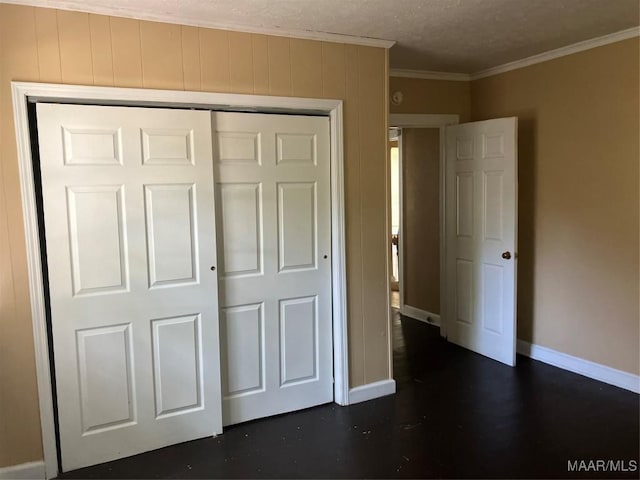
point(411, 120)
point(23, 92)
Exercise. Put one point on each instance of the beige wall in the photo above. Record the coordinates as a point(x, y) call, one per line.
point(43, 45)
point(578, 133)
point(421, 218)
point(432, 96)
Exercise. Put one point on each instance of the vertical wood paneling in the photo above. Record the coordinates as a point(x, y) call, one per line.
point(214, 60)
point(279, 66)
point(357, 363)
point(306, 68)
point(38, 44)
point(161, 49)
point(191, 58)
point(260, 64)
point(101, 50)
point(241, 62)
point(373, 196)
point(48, 47)
point(125, 47)
point(19, 394)
point(75, 47)
point(7, 303)
point(333, 70)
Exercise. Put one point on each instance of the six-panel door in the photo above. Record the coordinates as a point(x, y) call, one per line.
point(274, 233)
point(481, 237)
point(130, 237)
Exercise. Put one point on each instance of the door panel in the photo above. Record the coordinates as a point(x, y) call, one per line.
point(104, 365)
point(275, 285)
point(481, 224)
point(298, 333)
point(130, 236)
point(171, 238)
point(242, 241)
point(297, 224)
point(243, 349)
point(177, 364)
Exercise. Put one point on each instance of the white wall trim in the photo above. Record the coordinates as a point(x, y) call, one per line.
point(371, 391)
point(558, 52)
point(181, 19)
point(30, 470)
point(421, 315)
point(429, 75)
point(590, 369)
point(24, 92)
point(524, 62)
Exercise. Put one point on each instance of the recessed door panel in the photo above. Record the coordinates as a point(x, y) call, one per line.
point(177, 364)
point(493, 145)
point(97, 236)
point(238, 148)
point(167, 146)
point(464, 291)
point(464, 204)
point(492, 278)
point(106, 378)
point(298, 325)
point(492, 204)
point(296, 225)
point(243, 336)
point(171, 235)
point(464, 148)
point(92, 146)
point(241, 208)
point(296, 149)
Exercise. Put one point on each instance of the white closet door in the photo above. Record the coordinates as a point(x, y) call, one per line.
point(130, 238)
point(481, 220)
point(274, 233)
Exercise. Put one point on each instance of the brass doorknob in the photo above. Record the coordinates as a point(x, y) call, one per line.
point(506, 255)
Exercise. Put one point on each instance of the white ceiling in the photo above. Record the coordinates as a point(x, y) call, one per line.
point(463, 36)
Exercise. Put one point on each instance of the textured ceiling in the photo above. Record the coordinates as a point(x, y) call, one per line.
point(443, 35)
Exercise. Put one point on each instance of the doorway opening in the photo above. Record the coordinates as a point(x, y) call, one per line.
point(416, 153)
point(461, 214)
point(394, 159)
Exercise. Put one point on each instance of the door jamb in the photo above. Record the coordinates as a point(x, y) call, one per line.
point(24, 92)
point(397, 120)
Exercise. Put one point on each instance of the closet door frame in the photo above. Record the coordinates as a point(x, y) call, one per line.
point(25, 93)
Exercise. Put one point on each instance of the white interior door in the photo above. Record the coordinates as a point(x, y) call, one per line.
point(481, 237)
point(130, 238)
point(274, 234)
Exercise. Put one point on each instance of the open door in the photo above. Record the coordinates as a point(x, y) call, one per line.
point(481, 237)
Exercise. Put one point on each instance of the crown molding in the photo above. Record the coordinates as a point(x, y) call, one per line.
point(80, 6)
point(525, 62)
point(559, 52)
point(429, 75)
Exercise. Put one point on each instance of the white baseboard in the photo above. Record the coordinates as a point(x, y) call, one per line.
point(30, 470)
point(419, 314)
point(590, 369)
point(371, 391)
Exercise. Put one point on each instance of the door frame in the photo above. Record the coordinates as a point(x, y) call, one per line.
point(25, 92)
point(400, 121)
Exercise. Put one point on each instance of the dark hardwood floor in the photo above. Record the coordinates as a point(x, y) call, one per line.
point(456, 414)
